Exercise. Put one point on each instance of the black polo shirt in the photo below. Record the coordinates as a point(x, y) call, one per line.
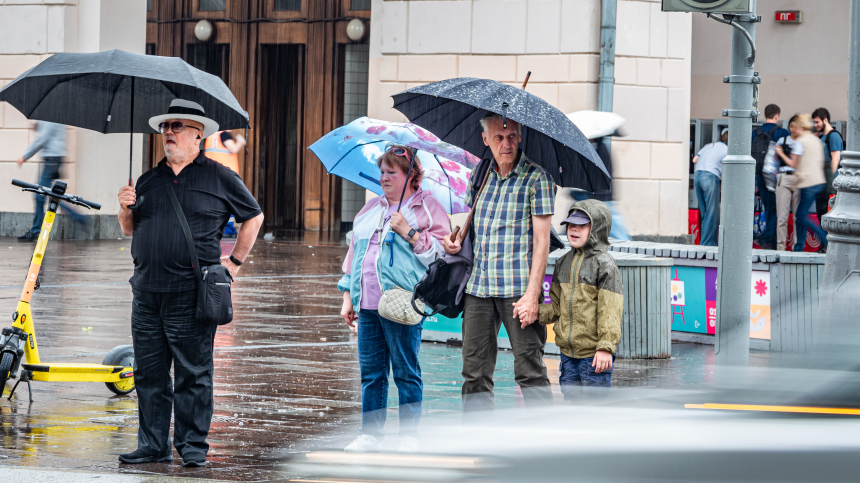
point(208, 193)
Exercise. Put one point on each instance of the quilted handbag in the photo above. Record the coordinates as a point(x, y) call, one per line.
point(396, 306)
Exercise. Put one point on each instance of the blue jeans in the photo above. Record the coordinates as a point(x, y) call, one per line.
point(578, 378)
point(768, 200)
point(708, 193)
point(384, 345)
point(50, 172)
point(807, 199)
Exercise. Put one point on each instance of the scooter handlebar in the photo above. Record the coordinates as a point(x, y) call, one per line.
point(85, 203)
point(77, 200)
point(24, 184)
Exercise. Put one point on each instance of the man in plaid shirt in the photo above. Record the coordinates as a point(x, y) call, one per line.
point(512, 229)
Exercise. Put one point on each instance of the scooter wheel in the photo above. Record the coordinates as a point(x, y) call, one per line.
point(122, 355)
point(6, 362)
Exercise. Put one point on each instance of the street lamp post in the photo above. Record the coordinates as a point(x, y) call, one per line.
point(736, 206)
point(837, 332)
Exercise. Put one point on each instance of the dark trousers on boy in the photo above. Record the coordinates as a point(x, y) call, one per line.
point(482, 320)
point(578, 378)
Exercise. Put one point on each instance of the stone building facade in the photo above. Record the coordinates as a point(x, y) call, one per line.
point(420, 41)
point(96, 164)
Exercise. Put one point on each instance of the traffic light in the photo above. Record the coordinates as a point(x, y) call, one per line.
point(709, 6)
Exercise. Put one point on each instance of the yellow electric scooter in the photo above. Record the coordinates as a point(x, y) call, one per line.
point(19, 341)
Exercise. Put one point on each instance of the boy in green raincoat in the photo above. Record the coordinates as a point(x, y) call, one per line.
point(587, 302)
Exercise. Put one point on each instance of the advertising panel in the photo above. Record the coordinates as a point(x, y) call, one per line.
point(694, 301)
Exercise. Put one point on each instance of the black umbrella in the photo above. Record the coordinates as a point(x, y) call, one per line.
point(452, 108)
point(117, 92)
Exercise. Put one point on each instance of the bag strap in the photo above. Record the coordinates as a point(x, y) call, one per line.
point(195, 264)
point(418, 311)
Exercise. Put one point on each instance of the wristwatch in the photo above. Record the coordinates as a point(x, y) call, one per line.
point(235, 260)
point(411, 234)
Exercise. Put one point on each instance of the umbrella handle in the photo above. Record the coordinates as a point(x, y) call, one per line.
point(468, 223)
point(408, 174)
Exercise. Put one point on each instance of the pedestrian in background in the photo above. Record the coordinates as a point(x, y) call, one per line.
point(51, 141)
point(789, 151)
point(222, 148)
point(587, 302)
point(761, 139)
point(164, 328)
point(709, 169)
point(395, 238)
point(809, 179)
point(833, 146)
point(513, 216)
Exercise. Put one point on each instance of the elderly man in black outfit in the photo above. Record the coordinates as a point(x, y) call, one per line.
point(163, 325)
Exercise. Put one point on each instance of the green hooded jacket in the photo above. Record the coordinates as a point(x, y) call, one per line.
point(586, 291)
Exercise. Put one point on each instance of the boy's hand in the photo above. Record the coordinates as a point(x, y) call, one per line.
point(602, 361)
point(527, 309)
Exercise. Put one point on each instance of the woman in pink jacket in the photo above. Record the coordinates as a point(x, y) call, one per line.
point(390, 248)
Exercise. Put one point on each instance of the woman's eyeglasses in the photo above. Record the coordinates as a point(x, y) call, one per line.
point(175, 126)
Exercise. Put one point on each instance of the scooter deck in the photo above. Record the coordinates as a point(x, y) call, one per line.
point(62, 371)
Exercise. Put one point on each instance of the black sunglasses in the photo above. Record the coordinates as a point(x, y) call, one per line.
point(175, 126)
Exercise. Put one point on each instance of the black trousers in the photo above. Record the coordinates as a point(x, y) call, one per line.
point(165, 332)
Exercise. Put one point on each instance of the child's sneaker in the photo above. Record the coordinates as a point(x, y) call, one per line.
point(363, 443)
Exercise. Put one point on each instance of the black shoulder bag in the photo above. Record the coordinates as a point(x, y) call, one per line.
point(214, 301)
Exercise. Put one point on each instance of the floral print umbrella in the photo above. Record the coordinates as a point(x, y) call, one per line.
point(351, 152)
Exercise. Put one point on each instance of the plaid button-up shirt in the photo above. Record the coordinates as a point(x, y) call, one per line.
point(503, 229)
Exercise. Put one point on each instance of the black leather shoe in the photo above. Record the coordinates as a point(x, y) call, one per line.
point(140, 456)
point(194, 459)
point(28, 237)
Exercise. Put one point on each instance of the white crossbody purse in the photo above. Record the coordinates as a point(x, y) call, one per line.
point(396, 303)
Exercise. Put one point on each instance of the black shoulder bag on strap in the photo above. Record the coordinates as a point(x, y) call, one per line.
point(214, 301)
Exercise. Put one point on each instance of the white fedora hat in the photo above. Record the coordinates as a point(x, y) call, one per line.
point(182, 109)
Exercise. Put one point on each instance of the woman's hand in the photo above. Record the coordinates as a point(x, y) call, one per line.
point(399, 225)
point(779, 152)
point(451, 244)
point(348, 312)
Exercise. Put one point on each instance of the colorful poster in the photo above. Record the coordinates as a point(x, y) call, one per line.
point(688, 309)
point(711, 300)
point(697, 287)
point(678, 292)
point(547, 282)
point(760, 305)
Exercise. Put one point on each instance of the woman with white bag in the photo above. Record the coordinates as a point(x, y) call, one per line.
point(395, 237)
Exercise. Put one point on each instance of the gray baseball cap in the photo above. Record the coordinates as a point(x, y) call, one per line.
point(577, 217)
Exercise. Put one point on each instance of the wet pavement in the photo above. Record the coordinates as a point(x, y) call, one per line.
point(286, 370)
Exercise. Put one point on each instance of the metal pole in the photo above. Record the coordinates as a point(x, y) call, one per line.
point(836, 335)
point(736, 207)
point(853, 130)
point(606, 84)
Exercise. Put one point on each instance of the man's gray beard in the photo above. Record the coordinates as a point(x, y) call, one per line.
point(181, 154)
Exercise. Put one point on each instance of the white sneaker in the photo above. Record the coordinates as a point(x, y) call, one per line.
point(408, 444)
point(363, 443)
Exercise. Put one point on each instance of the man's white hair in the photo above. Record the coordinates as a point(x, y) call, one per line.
point(485, 122)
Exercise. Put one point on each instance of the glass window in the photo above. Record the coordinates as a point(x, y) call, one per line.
point(288, 5)
point(213, 5)
point(359, 4)
point(148, 5)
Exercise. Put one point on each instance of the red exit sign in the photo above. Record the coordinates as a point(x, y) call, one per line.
point(788, 16)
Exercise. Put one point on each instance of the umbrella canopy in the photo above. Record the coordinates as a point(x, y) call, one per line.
point(94, 91)
point(596, 124)
point(453, 108)
point(352, 151)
